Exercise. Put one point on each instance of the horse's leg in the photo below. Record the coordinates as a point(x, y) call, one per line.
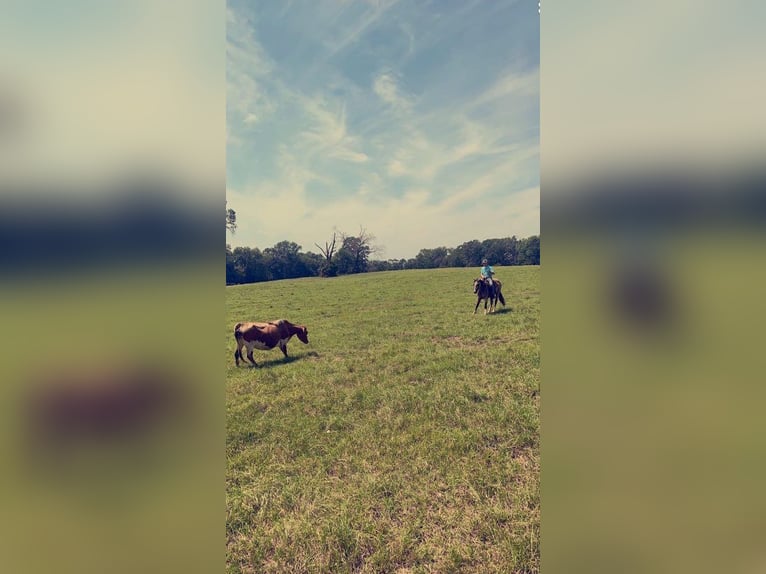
point(478, 300)
point(238, 353)
point(283, 348)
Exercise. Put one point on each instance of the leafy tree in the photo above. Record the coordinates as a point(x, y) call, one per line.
point(529, 251)
point(353, 256)
point(232, 274)
point(354, 253)
point(432, 258)
point(231, 220)
point(284, 260)
point(312, 263)
point(469, 253)
point(245, 265)
point(510, 251)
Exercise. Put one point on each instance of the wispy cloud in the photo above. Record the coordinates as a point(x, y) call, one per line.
point(327, 132)
point(510, 84)
point(386, 86)
point(426, 132)
point(248, 67)
point(374, 10)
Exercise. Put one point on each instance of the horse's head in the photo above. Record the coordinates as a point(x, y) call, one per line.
point(303, 334)
point(477, 285)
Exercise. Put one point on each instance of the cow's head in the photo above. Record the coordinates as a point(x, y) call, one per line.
point(303, 334)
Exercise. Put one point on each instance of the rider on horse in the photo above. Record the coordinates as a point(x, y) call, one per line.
point(486, 274)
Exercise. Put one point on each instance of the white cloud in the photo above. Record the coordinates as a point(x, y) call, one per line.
point(417, 169)
point(353, 32)
point(349, 155)
point(328, 133)
point(403, 226)
point(448, 140)
point(499, 178)
point(508, 85)
point(248, 67)
point(386, 86)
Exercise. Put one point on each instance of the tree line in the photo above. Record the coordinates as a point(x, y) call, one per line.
point(345, 254)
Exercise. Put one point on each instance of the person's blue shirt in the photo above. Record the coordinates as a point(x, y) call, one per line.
point(487, 271)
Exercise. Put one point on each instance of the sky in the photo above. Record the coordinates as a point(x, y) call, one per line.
point(417, 120)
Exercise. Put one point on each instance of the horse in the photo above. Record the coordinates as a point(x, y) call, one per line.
point(482, 290)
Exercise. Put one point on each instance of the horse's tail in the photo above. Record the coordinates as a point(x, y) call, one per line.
point(237, 332)
point(500, 296)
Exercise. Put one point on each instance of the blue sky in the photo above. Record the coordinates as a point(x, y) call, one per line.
point(418, 120)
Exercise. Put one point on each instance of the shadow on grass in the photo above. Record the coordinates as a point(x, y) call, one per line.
point(502, 311)
point(283, 360)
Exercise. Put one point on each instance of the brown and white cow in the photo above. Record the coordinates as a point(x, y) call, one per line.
point(266, 336)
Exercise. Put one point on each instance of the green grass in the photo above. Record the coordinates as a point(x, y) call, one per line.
point(403, 438)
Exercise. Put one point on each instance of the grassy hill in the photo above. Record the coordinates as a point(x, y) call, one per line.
point(403, 438)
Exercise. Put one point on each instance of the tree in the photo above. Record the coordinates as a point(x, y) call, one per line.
point(529, 251)
point(311, 263)
point(231, 220)
point(328, 267)
point(246, 265)
point(493, 250)
point(353, 256)
point(355, 251)
point(232, 274)
point(284, 260)
point(432, 258)
point(471, 252)
point(511, 251)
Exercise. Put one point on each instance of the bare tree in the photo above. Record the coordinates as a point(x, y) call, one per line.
point(328, 267)
point(329, 247)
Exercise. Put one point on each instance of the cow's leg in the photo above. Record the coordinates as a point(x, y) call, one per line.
point(250, 356)
point(238, 353)
point(283, 348)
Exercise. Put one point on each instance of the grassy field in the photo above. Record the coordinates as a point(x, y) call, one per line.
point(403, 438)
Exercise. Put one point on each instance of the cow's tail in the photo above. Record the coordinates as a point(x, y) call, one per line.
point(500, 296)
point(237, 332)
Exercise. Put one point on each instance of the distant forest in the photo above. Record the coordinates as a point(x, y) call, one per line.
point(347, 254)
